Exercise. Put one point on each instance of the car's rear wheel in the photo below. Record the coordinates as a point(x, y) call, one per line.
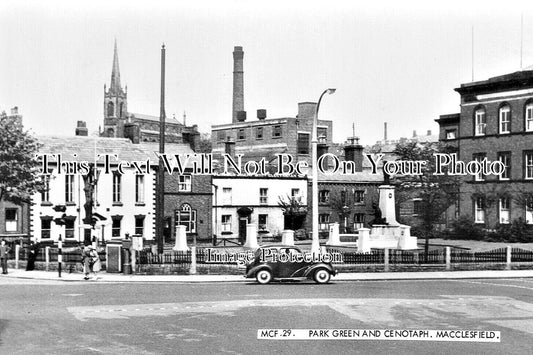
point(322, 276)
point(263, 276)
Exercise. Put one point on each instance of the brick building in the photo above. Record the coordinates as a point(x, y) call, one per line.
point(14, 218)
point(496, 123)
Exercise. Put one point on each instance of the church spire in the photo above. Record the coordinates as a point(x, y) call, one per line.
point(115, 73)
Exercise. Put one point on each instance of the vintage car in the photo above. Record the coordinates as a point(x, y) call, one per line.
point(287, 262)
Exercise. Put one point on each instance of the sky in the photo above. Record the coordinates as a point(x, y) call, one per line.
point(390, 61)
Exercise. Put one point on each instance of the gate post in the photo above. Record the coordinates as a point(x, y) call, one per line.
point(508, 258)
point(386, 259)
point(448, 259)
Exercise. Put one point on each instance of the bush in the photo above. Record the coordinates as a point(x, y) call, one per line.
point(464, 228)
point(516, 232)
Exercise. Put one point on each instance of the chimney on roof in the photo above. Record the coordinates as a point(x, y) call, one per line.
point(238, 82)
point(241, 116)
point(429, 132)
point(15, 111)
point(353, 151)
point(306, 110)
point(385, 131)
point(81, 129)
point(414, 133)
point(261, 114)
point(230, 147)
point(132, 131)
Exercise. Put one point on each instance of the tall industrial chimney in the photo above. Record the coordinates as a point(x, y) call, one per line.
point(385, 131)
point(238, 82)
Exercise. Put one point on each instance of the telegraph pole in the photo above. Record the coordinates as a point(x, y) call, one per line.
point(160, 210)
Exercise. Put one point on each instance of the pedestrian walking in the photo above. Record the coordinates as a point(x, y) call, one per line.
point(4, 251)
point(33, 250)
point(96, 264)
point(86, 261)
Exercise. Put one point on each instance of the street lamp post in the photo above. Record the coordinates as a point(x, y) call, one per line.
point(315, 244)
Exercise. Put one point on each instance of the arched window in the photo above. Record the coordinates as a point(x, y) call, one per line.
point(480, 122)
point(505, 119)
point(110, 109)
point(529, 117)
point(186, 216)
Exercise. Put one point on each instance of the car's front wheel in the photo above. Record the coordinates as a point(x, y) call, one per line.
point(322, 276)
point(263, 276)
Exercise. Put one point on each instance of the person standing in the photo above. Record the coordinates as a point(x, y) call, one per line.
point(4, 250)
point(33, 249)
point(86, 261)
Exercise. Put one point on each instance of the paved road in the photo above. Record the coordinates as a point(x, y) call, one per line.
point(161, 318)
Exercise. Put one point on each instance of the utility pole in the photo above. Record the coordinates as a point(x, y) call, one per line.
point(160, 200)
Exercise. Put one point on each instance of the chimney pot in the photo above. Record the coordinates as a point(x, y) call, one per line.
point(429, 132)
point(241, 116)
point(261, 114)
point(414, 133)
point(81, 129)
point(15, 111)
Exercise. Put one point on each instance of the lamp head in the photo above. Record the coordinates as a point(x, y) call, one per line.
point(331, 91)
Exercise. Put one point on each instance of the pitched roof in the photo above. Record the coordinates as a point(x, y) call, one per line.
point(142, 116)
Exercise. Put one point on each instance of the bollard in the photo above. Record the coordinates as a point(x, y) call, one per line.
point(508, 258)
point(448, 259)
point(386, 259)
point(17, 252)
point(192, 270)
point(47, 258)
point(59, 255)
point(133, 260)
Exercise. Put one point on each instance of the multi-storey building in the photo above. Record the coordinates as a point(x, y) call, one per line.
point(13, 217)
point(495, 123)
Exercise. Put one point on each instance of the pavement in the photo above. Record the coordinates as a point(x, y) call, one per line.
point(348, 276)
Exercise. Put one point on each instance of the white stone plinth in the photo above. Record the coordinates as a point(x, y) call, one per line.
point(387, 205)
point(287, 237)
point(251, 237)
point(334, 238)
point(181, 239)
point(363, 242)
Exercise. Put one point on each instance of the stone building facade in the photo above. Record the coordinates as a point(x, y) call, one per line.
point(495, 123)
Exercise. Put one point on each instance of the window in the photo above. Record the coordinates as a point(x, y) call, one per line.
point(184, 183)
point(343, 197)
point(259, 133)
point(11, 220)
point(263, 196)
point(323, 222)
point(139, 189)
point(226, 223)
point(262, 222)
point(303, 143)
point(480, 122)
point(221, 136)
point(505, 119)
point(479, 158)
point(46, 226)
point(528, 165)
point(69, 188)
point(358, 221)
point(505, 158)
point(504, 210)
point(529, 210)
point(529, 117)
point(115, 227)
point(295, 193)
point(45, 193)
point(323, 196)
point(117, 178)
point(359, 196)
point(69, 227)
point(241, 134)
point(418, 207)
point(110, 109)
point(276, 131)
point(451, 133)
point(322, 134)
point(186, 216)
point(139, 225)
point(226, 195)
point(479, 210)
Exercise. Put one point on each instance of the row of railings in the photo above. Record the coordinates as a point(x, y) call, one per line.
point(445, 256)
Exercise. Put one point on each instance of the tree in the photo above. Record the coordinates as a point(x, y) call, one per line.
point(20, 175)
point(204, 143)
point(294, 211)
point(435, 193)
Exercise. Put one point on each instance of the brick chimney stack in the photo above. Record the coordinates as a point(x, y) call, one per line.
point(81, 129)
point(353, 151)
point(238, 82)
point(230, 147)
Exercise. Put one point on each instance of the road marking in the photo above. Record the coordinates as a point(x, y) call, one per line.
point(72, 294)
point(493, 284)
